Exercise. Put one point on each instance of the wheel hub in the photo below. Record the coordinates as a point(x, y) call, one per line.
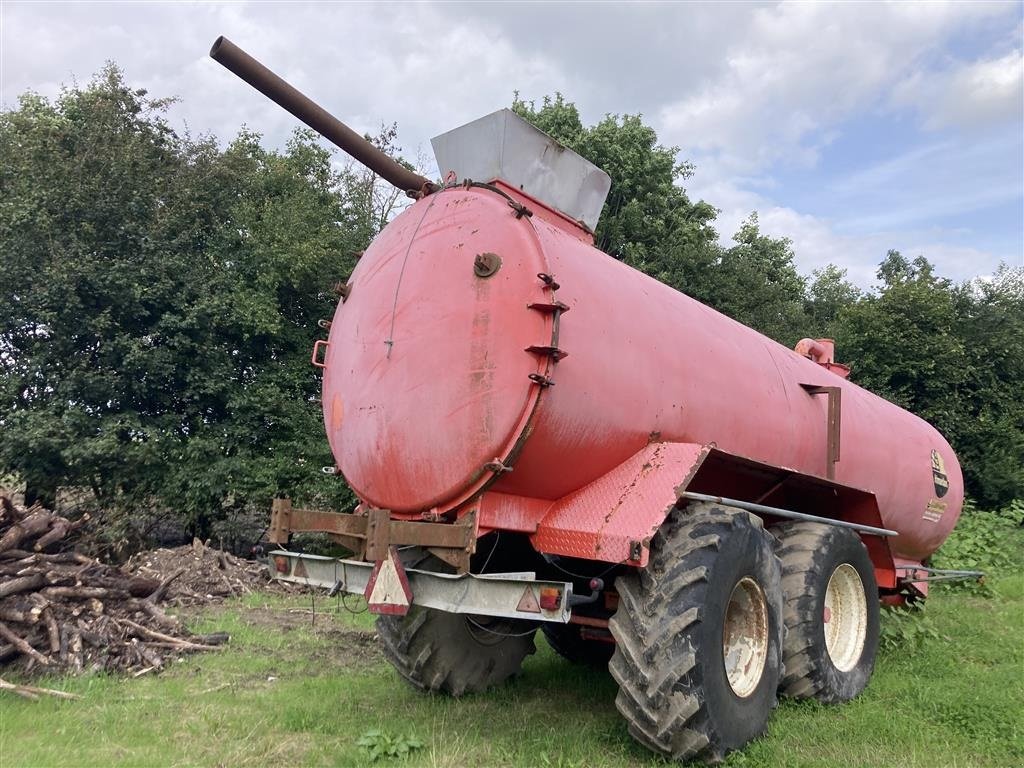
point(745, 637)
point(845, 617)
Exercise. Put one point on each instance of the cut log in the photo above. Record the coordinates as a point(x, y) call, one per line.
point(52, 630)
point(22, 584)
point(75, 651)
point(18, 617)
point(158, 593)
point(58, 530)
point(166, 640)
point(31, 692)
point(29, 528)
point(84, 593)
point(18, 642)
point(44, 557)
point(167, 622)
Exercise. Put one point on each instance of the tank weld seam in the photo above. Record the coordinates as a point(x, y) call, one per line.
point(390, 341)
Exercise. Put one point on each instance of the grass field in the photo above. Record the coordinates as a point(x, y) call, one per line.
point(294, 688)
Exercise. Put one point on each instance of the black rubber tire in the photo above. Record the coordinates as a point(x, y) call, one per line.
point(668, 661)
point(453, 653)
point(566, 641)
point(810, 554)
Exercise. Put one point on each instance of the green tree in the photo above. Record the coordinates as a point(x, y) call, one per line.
point(954, 355)
point(828, 294)
point(159, 302)
point(757, 283)
point(990, 437)
point(648, 221)
point(903, 343)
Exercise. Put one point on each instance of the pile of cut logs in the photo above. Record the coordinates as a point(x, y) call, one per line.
point(61, 611)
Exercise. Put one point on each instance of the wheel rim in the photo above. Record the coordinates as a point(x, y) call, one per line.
point(745, 637)
point(845, 617)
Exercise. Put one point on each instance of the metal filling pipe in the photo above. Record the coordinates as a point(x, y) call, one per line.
point(316, 117)
point(777, 512)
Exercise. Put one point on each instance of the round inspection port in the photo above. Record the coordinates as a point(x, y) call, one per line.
point(486, 264)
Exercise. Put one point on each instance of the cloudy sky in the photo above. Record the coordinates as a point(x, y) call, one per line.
point(851, 128)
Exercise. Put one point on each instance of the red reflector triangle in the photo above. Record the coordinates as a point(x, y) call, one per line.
point(388, 591)
point(528, 602)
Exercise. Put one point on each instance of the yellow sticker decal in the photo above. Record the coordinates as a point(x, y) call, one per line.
point(934, 511)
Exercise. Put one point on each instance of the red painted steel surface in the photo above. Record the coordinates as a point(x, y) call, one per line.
point(426, 375)
point(413, 431)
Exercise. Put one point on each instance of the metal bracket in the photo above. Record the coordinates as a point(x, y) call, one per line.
point(378, 529)
point(541, 380)
point(520, 209)
point(554, 353)
point(834, 424)
point(548, 281)
point(369, 535)
point(636, 550)
point(315, 357)
point(343, 290)
point(497, 467)
point(763, 509)
point(548, 307)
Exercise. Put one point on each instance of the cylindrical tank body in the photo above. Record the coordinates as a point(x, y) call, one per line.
point(428, 370)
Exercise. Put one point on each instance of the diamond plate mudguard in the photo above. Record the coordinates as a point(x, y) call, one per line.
point(613, 518)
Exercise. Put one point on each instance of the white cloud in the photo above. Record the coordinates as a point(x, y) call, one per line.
point(741, 88)
point(968, 94)
point(793, 78)
point(819, 241)
point(802, 68)
point(365, 63)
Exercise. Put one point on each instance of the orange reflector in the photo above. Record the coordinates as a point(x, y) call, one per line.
point(550, 598)
point(281, 563)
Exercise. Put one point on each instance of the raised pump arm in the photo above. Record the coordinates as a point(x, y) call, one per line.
point(316, 117)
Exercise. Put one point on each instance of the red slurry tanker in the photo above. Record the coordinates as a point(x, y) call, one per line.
point(543, 437)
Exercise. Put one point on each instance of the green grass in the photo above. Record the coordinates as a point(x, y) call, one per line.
point(288, 693)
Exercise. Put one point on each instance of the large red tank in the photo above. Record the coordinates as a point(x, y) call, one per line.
point(490, 371)
point(428, 395)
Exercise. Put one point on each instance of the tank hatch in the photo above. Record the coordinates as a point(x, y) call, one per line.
point(504, 146)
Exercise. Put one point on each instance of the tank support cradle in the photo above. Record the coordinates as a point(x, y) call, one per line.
point(370, 535)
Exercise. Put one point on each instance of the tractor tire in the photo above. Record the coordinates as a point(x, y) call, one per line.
point(565, 640)
point(831, 611)
point(699, 635)
point(452, 653)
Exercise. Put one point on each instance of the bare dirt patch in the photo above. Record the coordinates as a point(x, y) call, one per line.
point(337, 646)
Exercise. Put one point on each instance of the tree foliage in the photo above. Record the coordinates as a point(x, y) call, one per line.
point(160, 300)
point(952, 354)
